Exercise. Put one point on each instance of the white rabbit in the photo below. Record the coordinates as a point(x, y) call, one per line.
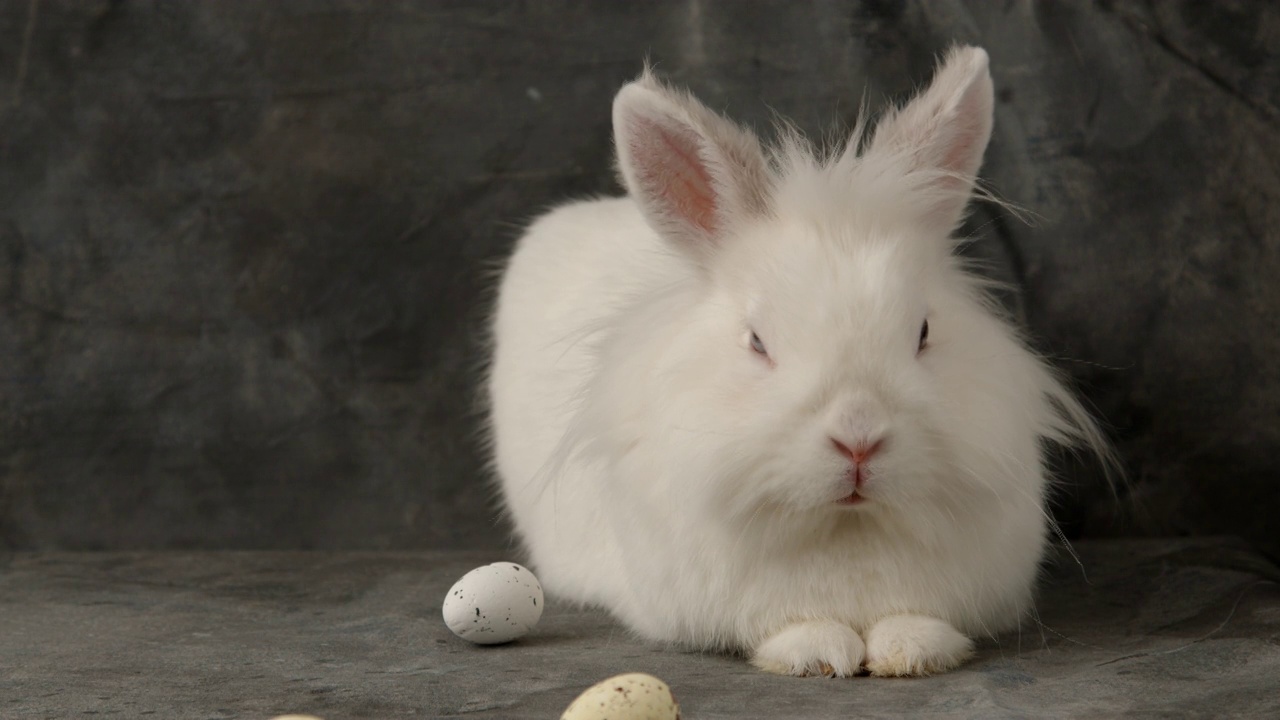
point(760, 406)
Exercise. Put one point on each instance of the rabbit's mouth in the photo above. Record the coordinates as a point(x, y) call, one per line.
point(853, 498)
point(854, 480)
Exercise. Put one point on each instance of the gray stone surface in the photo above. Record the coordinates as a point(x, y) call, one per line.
point(1178, 629)
point(243, 244)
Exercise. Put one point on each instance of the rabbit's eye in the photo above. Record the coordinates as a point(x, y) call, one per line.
point(924, 337)
point(758, 345)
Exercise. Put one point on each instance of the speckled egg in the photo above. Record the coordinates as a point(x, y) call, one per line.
point(634, 696)
point(494, 604)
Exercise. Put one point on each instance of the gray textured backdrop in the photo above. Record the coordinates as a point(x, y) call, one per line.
point(243, 244)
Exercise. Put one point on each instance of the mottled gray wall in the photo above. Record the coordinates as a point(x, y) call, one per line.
point(243, 244)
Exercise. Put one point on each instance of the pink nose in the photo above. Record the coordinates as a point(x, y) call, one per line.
point(861, 451)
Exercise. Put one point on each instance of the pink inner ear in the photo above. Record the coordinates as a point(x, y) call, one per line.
point(971, 126)
point(673, 175)
point(963, 155)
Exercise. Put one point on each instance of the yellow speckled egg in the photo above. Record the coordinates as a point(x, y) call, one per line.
point(634, 696)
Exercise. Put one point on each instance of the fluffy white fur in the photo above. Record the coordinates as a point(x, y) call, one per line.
point(656, 465)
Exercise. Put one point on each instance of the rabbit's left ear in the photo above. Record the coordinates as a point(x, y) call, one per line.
point(943, 132)
point(692, 172)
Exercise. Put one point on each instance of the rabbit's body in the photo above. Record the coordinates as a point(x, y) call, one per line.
point(836, 497)
point(545, 354)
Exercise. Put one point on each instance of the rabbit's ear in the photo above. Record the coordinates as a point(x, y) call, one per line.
point(943, 132)
point(693, 173)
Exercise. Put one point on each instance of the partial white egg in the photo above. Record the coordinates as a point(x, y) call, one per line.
point(634, 696)
point(494, 604)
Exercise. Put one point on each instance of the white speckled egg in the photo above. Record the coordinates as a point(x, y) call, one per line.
point(634, 696)
point(494, 604)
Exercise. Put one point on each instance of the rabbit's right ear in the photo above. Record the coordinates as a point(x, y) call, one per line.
point(693, 173)
point(943, 132)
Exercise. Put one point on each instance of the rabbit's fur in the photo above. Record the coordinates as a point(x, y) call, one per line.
point(688, 386)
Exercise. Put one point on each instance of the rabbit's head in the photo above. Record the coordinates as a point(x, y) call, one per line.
point(822, 348)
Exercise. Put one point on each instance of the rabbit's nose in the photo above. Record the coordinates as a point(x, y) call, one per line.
point(861, 450)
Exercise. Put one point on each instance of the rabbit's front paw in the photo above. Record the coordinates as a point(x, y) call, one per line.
point(910, 645)
point(817, 647)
